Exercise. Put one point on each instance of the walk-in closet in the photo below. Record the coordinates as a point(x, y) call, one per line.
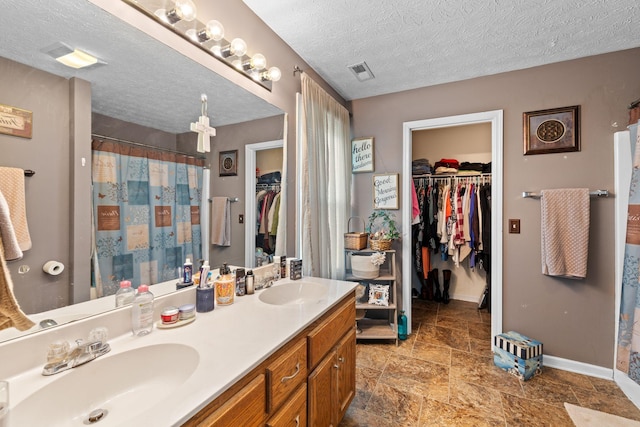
point(451, 216)
point(268, 181)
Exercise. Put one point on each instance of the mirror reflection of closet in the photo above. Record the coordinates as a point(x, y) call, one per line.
point(265, 159)
point(467, 143)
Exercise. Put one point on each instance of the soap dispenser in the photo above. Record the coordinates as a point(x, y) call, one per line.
point(225, 286)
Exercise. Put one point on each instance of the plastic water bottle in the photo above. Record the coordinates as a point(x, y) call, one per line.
point(142, 312)
point(125, 294)
point(402, 326)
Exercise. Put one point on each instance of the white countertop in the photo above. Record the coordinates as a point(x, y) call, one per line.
point(230, 340)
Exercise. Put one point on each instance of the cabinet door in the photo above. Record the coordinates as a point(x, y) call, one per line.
point(322, 401)
point(346, 357)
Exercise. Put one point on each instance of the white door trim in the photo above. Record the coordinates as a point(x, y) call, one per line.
point(496, 119)
point(250, 197)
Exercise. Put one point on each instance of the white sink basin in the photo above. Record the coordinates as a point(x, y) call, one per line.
point(121, 385)
point(295, 293)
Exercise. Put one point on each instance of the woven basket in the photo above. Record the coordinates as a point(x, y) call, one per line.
point(355, 240)
point(380, 244)
point(362, 268)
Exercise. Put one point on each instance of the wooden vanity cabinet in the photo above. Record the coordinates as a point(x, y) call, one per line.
point(280, 392)
point(332, 382)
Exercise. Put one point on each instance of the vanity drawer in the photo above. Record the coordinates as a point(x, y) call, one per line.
point(244, 409)
point(286, 373)
point(324, 337)
point(293, 413)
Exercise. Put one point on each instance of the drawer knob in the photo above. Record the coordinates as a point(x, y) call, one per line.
point(341, 359)
point(284, 379)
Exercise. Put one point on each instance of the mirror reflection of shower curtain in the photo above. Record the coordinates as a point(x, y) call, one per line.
point(146, 208)
point(628, 350)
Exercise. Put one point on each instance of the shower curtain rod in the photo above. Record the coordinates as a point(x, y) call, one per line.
point(110, 138)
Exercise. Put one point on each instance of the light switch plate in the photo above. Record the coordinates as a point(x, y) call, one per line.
point(514, 226)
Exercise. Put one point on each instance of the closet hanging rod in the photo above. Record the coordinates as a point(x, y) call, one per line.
point(152, 147)
point(595, 193)
point(447, 176)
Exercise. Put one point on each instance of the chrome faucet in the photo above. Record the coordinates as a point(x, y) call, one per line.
point(83, 352)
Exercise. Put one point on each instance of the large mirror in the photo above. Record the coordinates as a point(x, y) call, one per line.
point(140, 85)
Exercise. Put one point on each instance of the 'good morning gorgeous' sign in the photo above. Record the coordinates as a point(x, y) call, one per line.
point(385, 191)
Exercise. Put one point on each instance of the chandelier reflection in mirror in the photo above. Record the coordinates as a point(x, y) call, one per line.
point(180, 16)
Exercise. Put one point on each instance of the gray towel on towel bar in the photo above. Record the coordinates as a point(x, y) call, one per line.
point(220, 221)
point(565, 216)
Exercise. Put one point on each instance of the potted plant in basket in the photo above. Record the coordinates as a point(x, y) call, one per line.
point(382, 230)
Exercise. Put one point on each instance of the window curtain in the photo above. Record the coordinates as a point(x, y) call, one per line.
point(325, 181)
point(146, 211)
point(628, 359)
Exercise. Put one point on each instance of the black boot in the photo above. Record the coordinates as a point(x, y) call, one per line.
point(434, 278)
point(446, 281)
point(429, 280)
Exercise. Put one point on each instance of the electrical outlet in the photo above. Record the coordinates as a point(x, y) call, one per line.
point(514, 226)
point(241, 219)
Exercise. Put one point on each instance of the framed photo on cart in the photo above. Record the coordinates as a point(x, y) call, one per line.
point(556, 130)
point(229, 163)
point(362, 155)
point(385, 191)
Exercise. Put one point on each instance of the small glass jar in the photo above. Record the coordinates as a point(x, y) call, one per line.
point(169, 315)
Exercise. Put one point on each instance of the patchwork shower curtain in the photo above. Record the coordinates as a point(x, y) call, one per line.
point(628, 358)
point(146, 214)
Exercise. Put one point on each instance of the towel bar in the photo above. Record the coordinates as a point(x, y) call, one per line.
point(231, 199)
point(596, 193)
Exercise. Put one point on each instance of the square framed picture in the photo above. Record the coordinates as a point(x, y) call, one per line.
point(362, 155)
point(229, 163)
point(379, 294)
point(556, 130)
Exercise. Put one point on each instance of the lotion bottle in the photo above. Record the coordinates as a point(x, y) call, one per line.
point(142, 312)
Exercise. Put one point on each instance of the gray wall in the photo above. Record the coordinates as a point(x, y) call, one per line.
point(574, 319)
point(48, 191)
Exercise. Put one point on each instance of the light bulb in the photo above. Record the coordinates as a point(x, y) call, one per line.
point(238, 47)
point(212, 31)
point(274, 74)
point(258, 61)
point(184, 10)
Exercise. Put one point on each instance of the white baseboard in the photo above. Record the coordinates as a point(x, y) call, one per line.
point(578, 367)
point(628, 386)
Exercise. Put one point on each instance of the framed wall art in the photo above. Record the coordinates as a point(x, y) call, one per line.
point(385, 191)
point(362, 155)
point(556, 130)
point(229, 163)
point(16, 121)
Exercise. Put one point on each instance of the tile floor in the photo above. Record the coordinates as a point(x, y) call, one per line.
point(443, 375)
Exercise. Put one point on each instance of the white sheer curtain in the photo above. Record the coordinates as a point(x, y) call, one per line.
point(325, 181)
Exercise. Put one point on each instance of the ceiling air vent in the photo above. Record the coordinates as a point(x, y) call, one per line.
point(361, 71)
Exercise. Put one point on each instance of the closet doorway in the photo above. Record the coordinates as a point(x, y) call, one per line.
point(268, 158)
point(495, 120)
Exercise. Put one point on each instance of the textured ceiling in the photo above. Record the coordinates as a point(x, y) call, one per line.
point(144, 81)
point(416, 43)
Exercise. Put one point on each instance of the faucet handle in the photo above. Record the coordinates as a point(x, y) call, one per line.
point(99, 334)
point(58, 350)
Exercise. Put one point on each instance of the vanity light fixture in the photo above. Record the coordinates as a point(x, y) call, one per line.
point(184, 10)
point(212, 31)
point(237, 47)
point(181, 19)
